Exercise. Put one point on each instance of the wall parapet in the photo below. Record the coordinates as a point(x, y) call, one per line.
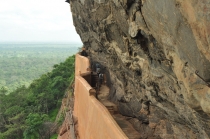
point(82, 65)
point(94, 120)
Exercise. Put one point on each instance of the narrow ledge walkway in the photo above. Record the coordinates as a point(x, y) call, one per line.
point(125, 125)
point(95, 116)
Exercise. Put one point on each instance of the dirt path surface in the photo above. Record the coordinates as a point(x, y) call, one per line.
point(125, 125)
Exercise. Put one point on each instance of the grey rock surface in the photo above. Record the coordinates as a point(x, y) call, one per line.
point(151, 50)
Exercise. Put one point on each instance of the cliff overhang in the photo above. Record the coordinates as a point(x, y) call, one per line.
point(158, 58)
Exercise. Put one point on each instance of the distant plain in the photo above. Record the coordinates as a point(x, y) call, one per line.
point(21, 63)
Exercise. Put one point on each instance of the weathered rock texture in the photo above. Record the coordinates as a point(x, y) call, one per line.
point(151, 49)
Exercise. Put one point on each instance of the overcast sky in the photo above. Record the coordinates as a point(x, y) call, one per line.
point(36, 21)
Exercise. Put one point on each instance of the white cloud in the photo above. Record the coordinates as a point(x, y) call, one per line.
point(36, 20)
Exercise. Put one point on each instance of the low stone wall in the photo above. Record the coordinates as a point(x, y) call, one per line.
point(94, 120)
point(82, 65)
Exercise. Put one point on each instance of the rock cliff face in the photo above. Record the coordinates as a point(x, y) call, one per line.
point(152, 50)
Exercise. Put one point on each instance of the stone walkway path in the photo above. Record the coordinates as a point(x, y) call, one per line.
point(120, 119)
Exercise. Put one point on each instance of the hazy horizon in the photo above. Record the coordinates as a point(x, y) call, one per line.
point(39, 42)
point(4, 46)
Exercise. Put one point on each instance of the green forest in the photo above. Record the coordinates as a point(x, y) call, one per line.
point(20, 63)
point(29, 112)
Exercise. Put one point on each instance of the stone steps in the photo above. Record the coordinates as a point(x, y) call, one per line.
point(125, 125)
